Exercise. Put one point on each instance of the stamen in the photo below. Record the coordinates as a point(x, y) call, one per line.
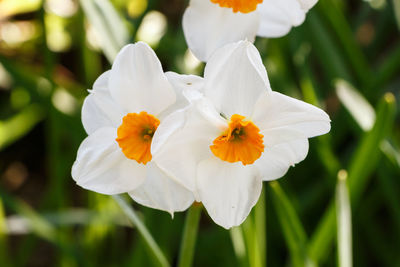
point(243, 6)
point(135, 135)
point(242, 141)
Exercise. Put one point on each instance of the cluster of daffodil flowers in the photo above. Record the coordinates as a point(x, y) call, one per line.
point(169, 140)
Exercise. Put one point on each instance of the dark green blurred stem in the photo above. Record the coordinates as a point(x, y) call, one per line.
point(3, 237)
point(239, 245)
point(254, 233)
point(134, 219)
point(260, 227)
point(49, 59)
point(292, 227)
point(352, 52)
point(189, 237)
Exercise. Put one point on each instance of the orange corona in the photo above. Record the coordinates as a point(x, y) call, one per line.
point(244, 6)
point(135, 135)
point(242, 141)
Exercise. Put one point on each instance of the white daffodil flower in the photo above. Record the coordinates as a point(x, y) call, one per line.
point(121, 115)
point(210, 24)
point(237, 135)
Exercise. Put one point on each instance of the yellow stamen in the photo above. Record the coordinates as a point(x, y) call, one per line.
point(242, 141)
point(135, 135)
point(244, 6)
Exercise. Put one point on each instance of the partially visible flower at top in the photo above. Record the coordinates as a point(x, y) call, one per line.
point(121, 115)
point(237, 135)
point(210, 24)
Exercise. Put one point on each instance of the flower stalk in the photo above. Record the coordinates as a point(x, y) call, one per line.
point(134, 219)
point(189, 237)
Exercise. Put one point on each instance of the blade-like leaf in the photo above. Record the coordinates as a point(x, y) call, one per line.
point(343, 219)
point(362, 165)
point(108, 25)
point(293, 230)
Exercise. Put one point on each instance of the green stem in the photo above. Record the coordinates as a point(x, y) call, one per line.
point(132, 216)
point(189, 236)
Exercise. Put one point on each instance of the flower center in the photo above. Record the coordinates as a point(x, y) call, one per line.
point(244, 6)
point(135, 135)
point(242, 141)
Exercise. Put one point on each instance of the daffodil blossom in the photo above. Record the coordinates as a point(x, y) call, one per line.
point(236, 135)
point(210, 24)
point(121, 115)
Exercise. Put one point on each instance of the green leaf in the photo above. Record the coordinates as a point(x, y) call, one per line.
point(20, 124)
point(326, 49)
point(341, 26)
point(4, 258)
point(293, 230)
point(396, 9)
point(363, 164)
point(189, 237)
point(343, 218)
point(239, 245)
point(134, 219)
point(108, 24)
point(359, 108)
point(254, 232)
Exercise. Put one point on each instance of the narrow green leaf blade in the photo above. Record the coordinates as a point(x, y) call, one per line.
point(343, 218)
point(293, 230)
point(362, 165)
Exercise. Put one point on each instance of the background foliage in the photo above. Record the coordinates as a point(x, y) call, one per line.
point(345, 58)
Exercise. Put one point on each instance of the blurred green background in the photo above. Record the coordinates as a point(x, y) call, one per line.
point(345, 59)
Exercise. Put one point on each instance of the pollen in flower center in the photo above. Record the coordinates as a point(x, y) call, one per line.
point(242, 141)
point(135, 135)
point(244, 6)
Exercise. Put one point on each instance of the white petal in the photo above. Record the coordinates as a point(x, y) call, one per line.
point(102, 167)
point(307, 4)
point(160, 192)
point(182, 82)
point(278, 17)
point(276, 160)
point(187, 88)
point(275, 111)
point(137, 81)
point(234, 79)
point(99, 109)
point(228, 190)
point(181, 141)
point(208, 27)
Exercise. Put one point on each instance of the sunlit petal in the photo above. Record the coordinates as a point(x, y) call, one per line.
point(99, 110)
point(102, 167)
point(208, 27)
point(228, 190)
point(161, 192)
point(137, 81)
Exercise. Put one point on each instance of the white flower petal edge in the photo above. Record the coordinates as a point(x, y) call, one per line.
point(235, 78)
point(99, 109)
point(208, 27)
point(187, 88)
point(286, 123)
point(278, 17)
point(307, 4)
point(137, 81)
point(101, 166)
point(228, 190)
point(283, 113)
point(276, 160)
point(161, 192)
